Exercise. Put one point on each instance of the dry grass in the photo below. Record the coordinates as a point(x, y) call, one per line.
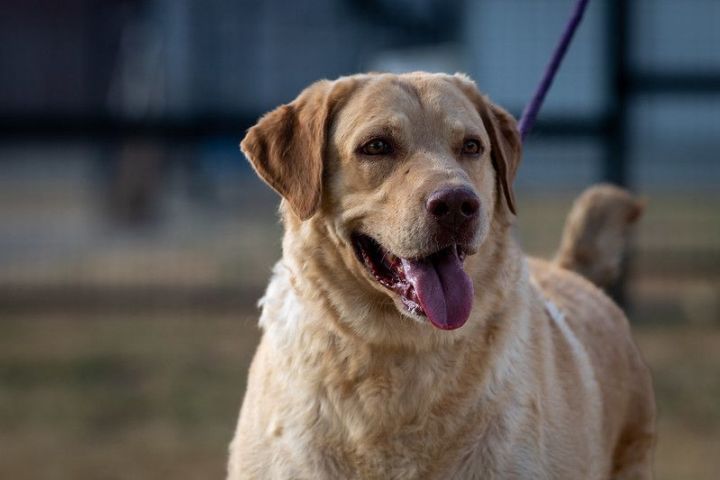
point(155, 395)
point(686, 370)
point(151, 396)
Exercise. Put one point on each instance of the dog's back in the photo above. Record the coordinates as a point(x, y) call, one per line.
point(593, 245)
point(589, 321)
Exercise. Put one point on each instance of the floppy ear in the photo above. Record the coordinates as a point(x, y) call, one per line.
point(506, 145)
point(287, 148)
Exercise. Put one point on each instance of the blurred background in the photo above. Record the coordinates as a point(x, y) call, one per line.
point(135, 239)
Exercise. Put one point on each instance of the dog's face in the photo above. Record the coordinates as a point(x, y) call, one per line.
point(407, 171)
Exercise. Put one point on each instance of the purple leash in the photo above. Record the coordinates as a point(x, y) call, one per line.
point(527, 120)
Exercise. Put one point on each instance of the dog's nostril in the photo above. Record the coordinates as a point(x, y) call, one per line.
point(438, 208)
point(469, 207)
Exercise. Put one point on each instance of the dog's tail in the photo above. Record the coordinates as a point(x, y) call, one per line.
point(596, 233)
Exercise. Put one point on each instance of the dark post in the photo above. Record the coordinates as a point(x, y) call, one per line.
point(615, 168)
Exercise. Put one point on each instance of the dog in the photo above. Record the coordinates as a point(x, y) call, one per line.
point(405, 333)
point(596, 233)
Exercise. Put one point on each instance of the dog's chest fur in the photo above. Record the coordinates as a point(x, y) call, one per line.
point(383, 413)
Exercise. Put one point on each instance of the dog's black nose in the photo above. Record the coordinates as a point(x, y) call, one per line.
point(454, 207)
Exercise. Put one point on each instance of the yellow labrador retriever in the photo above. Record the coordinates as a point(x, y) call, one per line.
point(406, 336)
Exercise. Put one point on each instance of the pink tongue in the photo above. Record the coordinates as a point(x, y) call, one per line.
point(443, 288)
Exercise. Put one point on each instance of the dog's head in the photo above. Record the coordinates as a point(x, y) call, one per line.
point(407, 174)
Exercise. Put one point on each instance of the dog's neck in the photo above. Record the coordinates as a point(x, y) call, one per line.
point(416, 382)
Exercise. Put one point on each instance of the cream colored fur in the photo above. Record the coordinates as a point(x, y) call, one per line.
point(542, 382)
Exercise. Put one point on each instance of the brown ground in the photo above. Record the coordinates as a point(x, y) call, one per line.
point(147, 396)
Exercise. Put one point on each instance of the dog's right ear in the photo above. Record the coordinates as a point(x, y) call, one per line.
point(286, 148)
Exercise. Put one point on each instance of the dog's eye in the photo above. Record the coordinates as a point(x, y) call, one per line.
point(376, 146)
point(471, 147)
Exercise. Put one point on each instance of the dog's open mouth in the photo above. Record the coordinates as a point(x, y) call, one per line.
point(435, 286)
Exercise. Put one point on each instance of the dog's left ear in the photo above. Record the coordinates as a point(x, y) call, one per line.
point(506, 145)
point(287, 148)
